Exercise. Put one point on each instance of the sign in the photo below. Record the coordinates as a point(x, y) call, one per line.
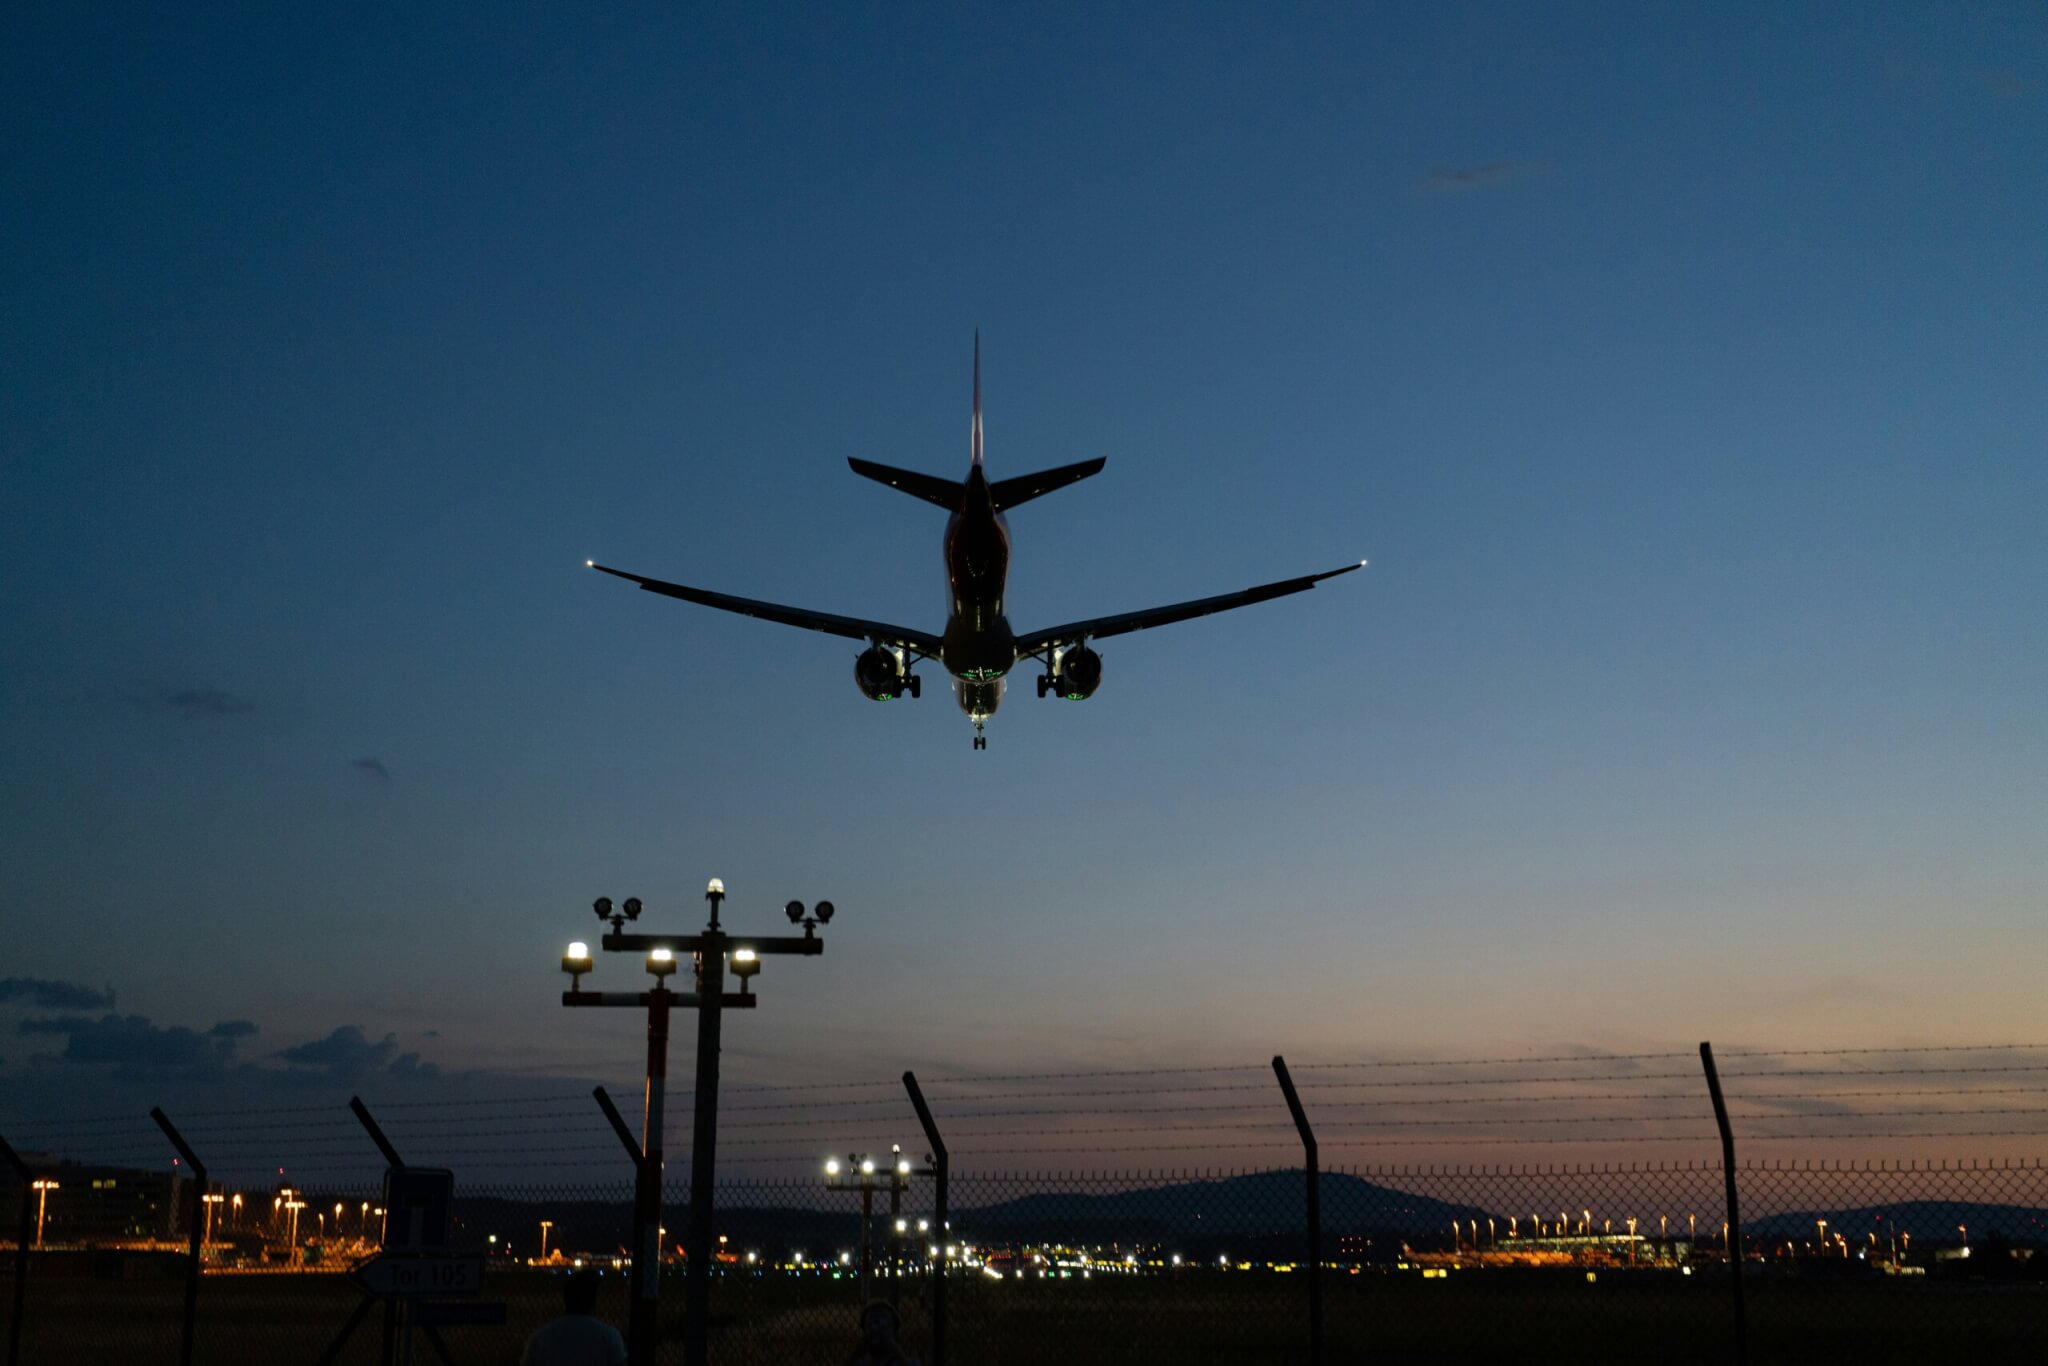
point(387, 1275)
point(482, 1313)
point(416, 1203)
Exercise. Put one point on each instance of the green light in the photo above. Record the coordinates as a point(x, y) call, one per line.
point(1076, 697)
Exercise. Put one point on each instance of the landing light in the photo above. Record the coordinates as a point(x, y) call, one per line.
point(590, 564)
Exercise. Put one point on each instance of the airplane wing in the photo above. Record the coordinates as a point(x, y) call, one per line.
point(853, 628)
point(1038, 642)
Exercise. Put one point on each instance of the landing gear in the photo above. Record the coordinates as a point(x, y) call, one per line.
point(980, 740)
point(913, 685)
point(1046, 684)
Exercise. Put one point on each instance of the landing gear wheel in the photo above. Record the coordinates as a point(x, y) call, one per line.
point(981, 742)
point(913, 685)
point(1045, 684)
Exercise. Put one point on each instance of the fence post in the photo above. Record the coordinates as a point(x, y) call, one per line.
point(1734, 1239)
point(637, 1331)
point(1313, 1191)
point(195, 1234)
point(941, 1170)
point(21, 1237)
point(394, 1312)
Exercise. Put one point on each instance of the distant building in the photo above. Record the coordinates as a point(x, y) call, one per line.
point(98, 1204)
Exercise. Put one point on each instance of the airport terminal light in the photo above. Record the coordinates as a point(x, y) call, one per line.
point(43, 1186)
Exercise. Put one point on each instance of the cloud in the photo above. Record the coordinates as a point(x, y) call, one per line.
point(348, 1053)
point(373, 767)
point(192, 703)
point(132, 1041)
point(1446, 179)
point(48, 995)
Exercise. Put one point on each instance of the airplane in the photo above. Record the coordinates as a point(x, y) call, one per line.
point(978, 648)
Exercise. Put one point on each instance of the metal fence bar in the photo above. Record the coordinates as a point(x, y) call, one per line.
point(394, 1312)
point(1312, 1181)
point(638, 1267)
point(1734, 1235)
point(195, 1233)
point(941, 1175)
point(20, 1252)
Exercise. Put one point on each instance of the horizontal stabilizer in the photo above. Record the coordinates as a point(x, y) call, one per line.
point(947, 493)
point(1007, 493)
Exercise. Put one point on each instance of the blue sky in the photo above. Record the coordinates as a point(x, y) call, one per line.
point(1678, 370)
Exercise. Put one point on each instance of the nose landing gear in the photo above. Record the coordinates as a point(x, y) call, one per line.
point(980, 740)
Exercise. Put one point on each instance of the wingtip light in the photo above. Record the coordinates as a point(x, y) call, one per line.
point(590, 564)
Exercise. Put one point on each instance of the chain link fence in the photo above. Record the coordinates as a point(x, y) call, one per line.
point(1593, 1263)
point(1441, 1253)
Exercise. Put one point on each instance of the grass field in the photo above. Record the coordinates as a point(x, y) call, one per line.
point(1246, 1320)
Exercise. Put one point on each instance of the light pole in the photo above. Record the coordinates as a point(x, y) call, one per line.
point(545, 1225)
point(863, 1174)
point(210, 1199)
point(43, 1186)
point(709, 951)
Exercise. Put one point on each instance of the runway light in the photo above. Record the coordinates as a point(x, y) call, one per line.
point(661, 962)
point(715, 887)
point(832, 1166)
point(867, 1166)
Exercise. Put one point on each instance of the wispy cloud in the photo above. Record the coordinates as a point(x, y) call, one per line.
point(44, 994)
point(193, 703)
point(1446, 179)
point(373, 768)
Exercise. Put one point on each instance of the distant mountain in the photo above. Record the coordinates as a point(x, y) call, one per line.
point(1256, 1205)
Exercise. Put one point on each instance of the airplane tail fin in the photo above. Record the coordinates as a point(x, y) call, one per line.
point(946, 493)
point(1007, 493)
point(975, 440)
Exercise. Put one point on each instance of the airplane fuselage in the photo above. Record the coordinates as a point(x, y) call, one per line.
point(979, 646)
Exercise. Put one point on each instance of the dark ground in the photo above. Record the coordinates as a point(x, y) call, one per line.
point(1241, 1318)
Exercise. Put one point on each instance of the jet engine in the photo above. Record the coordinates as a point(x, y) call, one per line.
point(881, 675)
point(1080, 674)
